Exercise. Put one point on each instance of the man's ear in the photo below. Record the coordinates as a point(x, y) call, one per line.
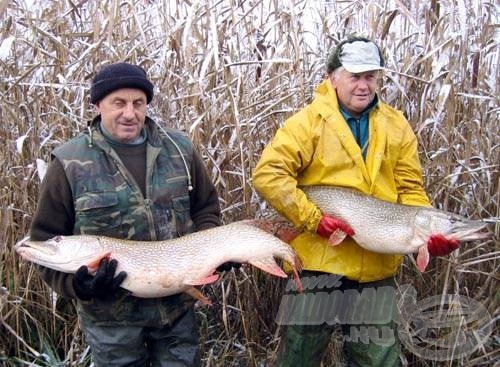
point(96, 107)
point(331, 76)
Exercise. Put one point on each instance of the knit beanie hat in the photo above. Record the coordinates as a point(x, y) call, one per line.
point(119, 75)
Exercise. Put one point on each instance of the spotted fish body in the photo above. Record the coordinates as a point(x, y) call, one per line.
point(162, 268)
point(385, 227)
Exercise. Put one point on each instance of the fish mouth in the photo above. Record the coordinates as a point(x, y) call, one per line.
point(30, 250)
point(21, 243)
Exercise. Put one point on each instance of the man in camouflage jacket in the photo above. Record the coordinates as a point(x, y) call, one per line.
point(125, 178)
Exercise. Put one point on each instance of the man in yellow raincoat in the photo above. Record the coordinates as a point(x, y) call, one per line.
point(345, 137)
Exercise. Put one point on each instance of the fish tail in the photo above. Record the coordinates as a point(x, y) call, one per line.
point(296, 265)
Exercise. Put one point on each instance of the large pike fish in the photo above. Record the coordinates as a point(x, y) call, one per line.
point(162, 268)
point(385, 227)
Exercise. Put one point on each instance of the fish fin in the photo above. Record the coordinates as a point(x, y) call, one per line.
point(422, 258)
point(270, 266)
point(286, 233)
point(196, 293)
point(337, 237)
point(93, 265)
point(207, 280)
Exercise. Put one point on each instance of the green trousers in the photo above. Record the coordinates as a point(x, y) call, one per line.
point(365, 312)
point(172, 345)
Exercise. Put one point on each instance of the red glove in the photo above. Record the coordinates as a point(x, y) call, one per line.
point(439, 245)
point(328, 225)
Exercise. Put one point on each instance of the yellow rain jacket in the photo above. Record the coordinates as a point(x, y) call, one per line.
point(316, 147)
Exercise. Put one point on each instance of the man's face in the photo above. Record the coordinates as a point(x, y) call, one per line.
point(354, 91)
point(123, 113)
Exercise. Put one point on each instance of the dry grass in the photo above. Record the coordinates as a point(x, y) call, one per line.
point(229, 73)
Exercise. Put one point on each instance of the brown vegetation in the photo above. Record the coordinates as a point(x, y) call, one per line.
point(229, 73)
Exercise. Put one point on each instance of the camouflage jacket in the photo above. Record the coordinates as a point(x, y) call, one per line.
point(105, 199)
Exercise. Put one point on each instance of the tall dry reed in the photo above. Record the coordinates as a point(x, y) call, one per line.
point(229, 73)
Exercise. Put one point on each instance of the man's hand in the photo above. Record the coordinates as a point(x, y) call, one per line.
point(439, 245)
point(101, 285)
point(228, 266)
point(329, 225)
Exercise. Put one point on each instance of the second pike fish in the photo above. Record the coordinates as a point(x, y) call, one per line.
point(385, 227)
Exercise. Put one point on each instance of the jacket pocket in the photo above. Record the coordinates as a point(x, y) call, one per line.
point(95, 200)
point(182, 215)
point(98, 213)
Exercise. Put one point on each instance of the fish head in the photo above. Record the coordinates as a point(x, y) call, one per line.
point(63, 253)
point(455, 226)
